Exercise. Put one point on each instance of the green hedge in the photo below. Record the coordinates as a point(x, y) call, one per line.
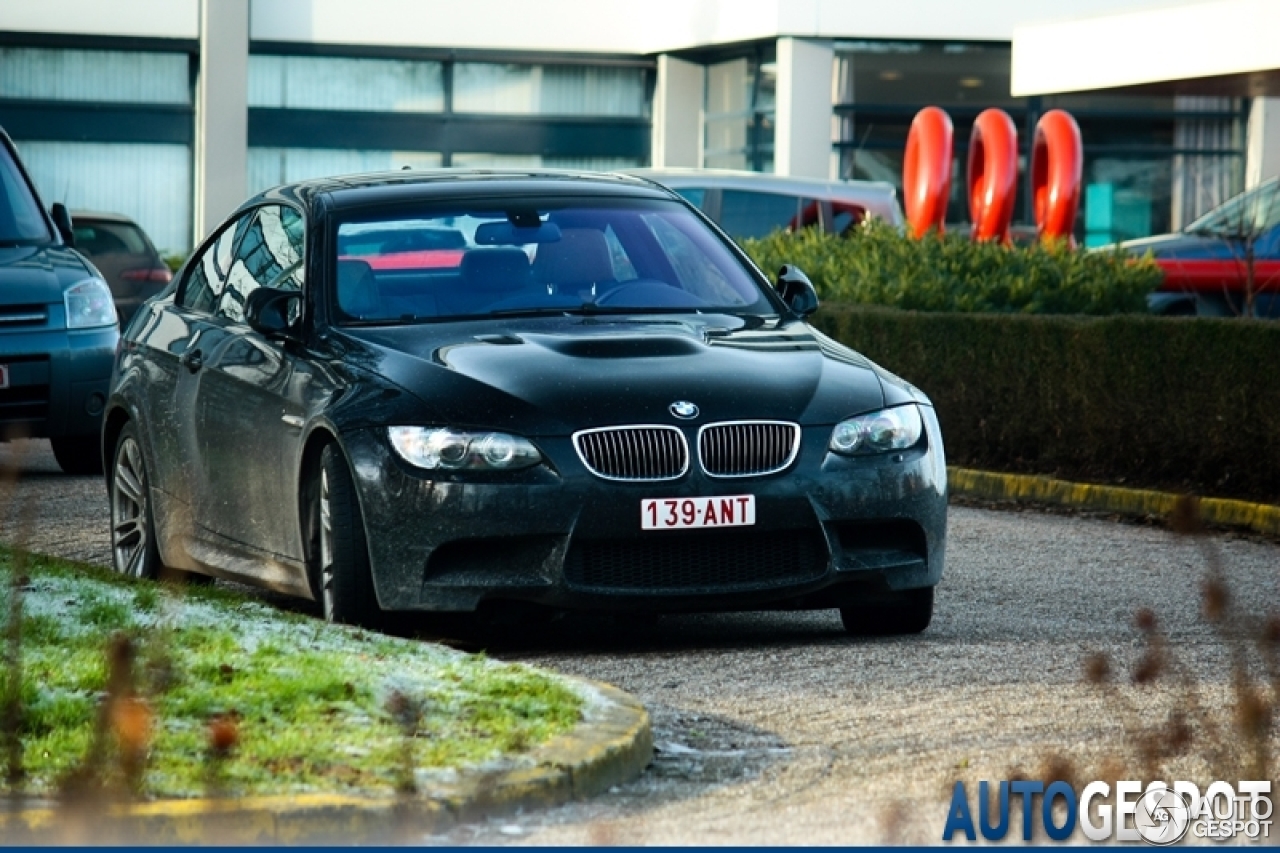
point(879, 265)
point(1185, 404)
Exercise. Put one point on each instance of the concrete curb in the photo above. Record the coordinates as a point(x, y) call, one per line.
point(613, 744)
point(1260, 518)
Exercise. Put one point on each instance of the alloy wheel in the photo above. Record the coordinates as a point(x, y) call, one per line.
point(130, 518)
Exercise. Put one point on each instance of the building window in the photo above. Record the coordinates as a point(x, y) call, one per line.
point(1152, 164)
point(343, 83)
point(100, 76)
point(564, 90)
point(739, 109)
point(269, 167)
point(151, 184)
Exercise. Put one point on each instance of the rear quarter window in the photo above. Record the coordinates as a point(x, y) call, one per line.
point(104, 238)
point(745, 214)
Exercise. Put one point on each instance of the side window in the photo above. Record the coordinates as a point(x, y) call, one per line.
point(269, 255)
point(845, 216)
point(207, 275)
point(752, 214)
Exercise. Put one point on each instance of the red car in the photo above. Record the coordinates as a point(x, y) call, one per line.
point(1207, 265)
point(125, 256)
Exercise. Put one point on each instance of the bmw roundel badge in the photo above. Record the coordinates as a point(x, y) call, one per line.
point(684, 410)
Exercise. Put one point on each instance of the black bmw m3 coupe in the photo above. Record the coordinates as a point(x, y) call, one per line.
point(437, 391)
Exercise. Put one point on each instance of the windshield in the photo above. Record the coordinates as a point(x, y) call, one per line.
point(21, 221)
point(1247, 215)
point(531, 256)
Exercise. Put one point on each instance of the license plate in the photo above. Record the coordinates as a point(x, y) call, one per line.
point(4, 376)
point(686, 513)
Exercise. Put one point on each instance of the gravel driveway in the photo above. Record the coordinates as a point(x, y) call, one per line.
point(779, 729)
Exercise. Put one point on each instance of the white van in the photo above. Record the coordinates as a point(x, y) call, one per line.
point(752, 204)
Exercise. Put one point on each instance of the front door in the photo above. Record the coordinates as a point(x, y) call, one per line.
point(246, 423)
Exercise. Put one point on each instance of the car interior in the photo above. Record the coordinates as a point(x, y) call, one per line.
point(565, 260)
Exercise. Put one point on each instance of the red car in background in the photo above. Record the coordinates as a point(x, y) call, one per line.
point(125, 256)
point(1225, 264)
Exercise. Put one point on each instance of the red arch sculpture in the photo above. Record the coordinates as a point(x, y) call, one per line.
point(1057, 160)
point(926, 170)
point(993, 174)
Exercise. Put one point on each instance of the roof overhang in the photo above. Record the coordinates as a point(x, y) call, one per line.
point(1222, 47)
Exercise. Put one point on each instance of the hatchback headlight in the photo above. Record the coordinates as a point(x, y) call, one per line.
point(89, 305)
point(878, 432)
point(441, 448)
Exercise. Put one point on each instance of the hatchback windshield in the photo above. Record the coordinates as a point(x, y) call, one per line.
point(526, 257)
point(21, 222)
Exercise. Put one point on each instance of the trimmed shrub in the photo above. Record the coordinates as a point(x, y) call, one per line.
point(879, 265)
point(1184, 404)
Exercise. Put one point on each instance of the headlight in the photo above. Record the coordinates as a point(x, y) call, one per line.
point(440, 448)
point(888, 429)
point(89, 304)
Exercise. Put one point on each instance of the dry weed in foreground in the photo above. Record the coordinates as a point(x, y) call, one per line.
point(407, 713)
point(11, 696)
point(1235, 746)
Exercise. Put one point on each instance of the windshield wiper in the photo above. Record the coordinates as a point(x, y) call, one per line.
point(525, 312)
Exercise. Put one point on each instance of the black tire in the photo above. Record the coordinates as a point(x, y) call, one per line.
point(78, 454)
point(341, 578)
point(133, 531)
point(910, 613)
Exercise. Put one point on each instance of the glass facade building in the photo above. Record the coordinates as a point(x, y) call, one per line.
point(108, 123)
point(112, 127)
point(740, 111)
point(106, 130)
point(312, 115)
point(1151, 164)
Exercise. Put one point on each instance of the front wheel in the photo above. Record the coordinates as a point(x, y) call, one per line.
point(910, 613)
point(78, 454)
point(342, 580)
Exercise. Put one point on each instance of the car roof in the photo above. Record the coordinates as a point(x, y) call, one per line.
point(374, 187)
point(739, 180)
point(101, 216)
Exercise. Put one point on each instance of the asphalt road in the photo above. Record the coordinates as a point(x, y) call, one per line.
point(779, 729)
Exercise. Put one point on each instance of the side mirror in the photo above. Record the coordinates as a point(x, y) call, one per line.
point(796, 290)
point(272, 312)
point(62, 221)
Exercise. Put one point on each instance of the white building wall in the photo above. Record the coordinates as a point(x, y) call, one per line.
point(147, 18)
point(222, 112)
point(1178, 41)
point(802, 139)
point(677, 114)
point(1262, 155)
point(608, 26)
point(656, 26)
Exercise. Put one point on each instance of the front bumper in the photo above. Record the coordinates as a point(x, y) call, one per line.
point(58, 381)
point(830, 530)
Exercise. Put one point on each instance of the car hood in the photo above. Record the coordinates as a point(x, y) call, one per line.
point(37, 275)
point(552, 376)
point(1182, 246)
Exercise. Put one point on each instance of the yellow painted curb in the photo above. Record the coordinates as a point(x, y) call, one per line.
point(1260, 518)
point(613, 744)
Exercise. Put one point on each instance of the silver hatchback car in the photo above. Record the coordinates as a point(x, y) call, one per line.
point(752, 204)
